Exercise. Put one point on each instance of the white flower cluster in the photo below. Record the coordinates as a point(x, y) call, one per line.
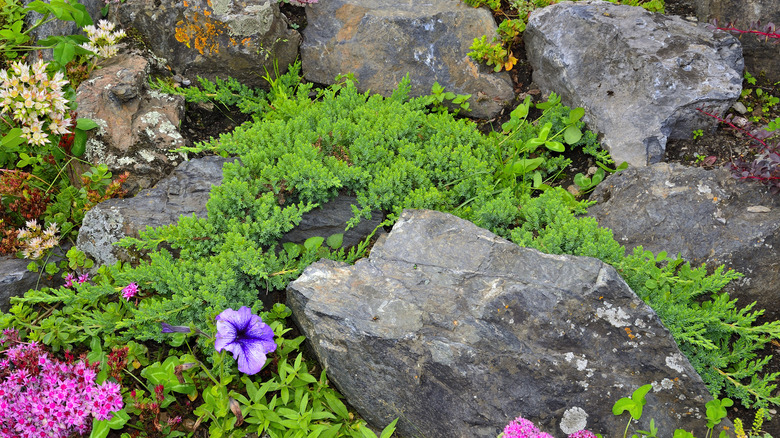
point(103, 39)
point(35, 100)
point(36, 240)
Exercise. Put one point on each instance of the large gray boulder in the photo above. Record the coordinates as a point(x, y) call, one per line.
point(184, 192)
point(707, 216)
point(210, 38)
point(456, 332)
point(380, 41)
point(138, 128)
point(640, 76)
point(761, 54)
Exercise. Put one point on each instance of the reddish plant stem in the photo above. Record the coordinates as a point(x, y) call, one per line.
point(757, 32)
point(732, 125)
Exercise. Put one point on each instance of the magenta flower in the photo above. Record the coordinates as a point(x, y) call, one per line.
point(83, 278)
point(582, 434)
point(520, 428)
point(129, 291)
point(69, 279)
point(246, 336)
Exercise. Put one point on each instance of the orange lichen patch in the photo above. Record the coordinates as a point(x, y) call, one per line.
point(628, 332)
point(200, 33)
point(207, 13)
point(351, 16)
point(186, 5)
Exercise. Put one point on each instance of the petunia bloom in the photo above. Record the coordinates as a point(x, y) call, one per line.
point(246, 336)
point(167, 328)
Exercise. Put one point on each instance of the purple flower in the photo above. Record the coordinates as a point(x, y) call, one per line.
point(129, 291)
point(83, 278)
point(246, 336)
point(167, 328)
point(582, 434)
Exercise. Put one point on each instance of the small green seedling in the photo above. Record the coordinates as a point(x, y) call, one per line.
point(633, 405)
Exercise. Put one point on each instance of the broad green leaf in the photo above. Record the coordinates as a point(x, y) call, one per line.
point(335, 241)
point(576, 114)
point(388, 431)
point(313, 243)
point(12, 138)
point(64, 52)
point(79, 145)
point(85, 124)
point(572, 134)
point(555, 146)
point(336, 405)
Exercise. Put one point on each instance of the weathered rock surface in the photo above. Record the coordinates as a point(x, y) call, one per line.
point(456, 331)
point(210, 38)
point(706, 216)
point(760, 54)
point(640, 76)
point(380, 41)
point(184, 192)
point(138, 128)
point(15, 279)
point(331, 218)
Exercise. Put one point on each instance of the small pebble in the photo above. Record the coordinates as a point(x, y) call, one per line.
point(739, 107)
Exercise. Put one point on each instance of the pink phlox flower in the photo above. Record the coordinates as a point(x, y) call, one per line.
point(582, 434)
point(520, 428)
point(83, 278)
point(69, 279)
point(130, 291)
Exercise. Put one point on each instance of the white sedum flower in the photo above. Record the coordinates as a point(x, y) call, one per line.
point(102, 39)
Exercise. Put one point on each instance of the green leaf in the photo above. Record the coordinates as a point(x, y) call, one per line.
point(51, 268)
point(79, 143)
point(576, 114)
point(367, 433)
point(537, 179)
point(12, 138)
point(313, 243)
point(387, 432)
point(336, 405)
point(85, 124)
point(64, 52)
point(100, 428)
point(572, 134)
point(335, 241)
point(555, 146)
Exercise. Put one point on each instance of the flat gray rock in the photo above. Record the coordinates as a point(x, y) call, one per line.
point(380, 41)
point(184, 192)
point(707, 216)
point(639, 75)
point(456, 332)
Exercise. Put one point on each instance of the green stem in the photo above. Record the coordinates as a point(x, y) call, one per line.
point(625, 433)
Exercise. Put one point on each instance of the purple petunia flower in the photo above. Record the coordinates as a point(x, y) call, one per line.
point(167, 328)
point(246, 336)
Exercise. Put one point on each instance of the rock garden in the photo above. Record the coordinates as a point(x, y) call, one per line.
point(371, 218)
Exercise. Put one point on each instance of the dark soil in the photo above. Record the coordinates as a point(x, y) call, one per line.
point(712, 149)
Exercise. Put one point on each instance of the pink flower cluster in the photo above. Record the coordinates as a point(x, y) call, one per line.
point(43, 397)
point(522, 428)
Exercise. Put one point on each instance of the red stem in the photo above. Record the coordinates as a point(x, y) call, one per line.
point(732, 29)
point(732, 125)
